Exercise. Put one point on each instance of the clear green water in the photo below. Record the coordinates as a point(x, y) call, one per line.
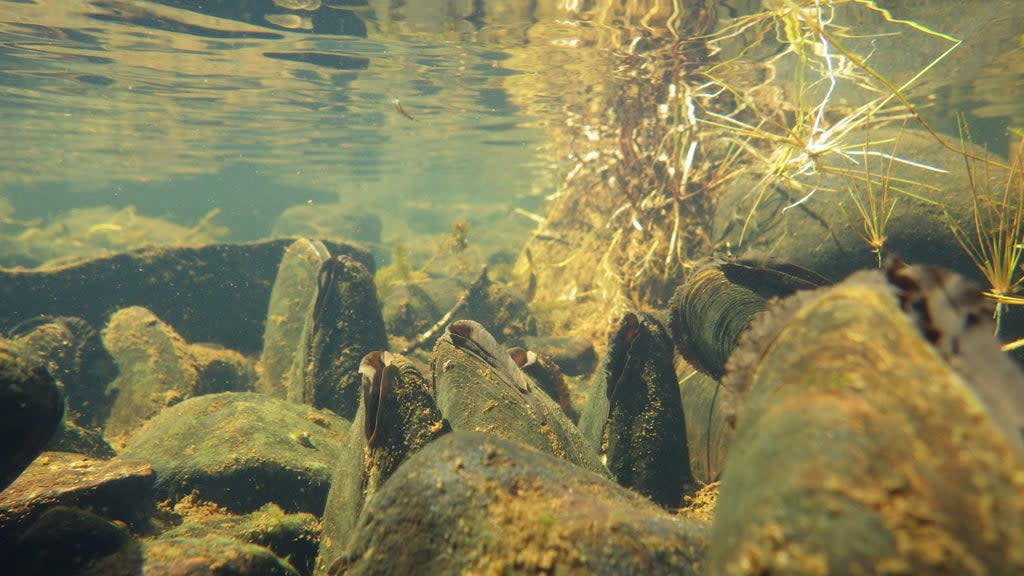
point(178, 108)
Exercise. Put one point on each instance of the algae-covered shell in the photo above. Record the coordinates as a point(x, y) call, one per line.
point(480, 388)
point(634, 416)
point(396, 418)
point(291, 302)
point(860, 451)
point(720, 298)
point(344, 325)
point(950, 312)
point(476, 504)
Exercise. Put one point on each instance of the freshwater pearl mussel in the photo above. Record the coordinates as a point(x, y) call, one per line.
point(636, 436)
point(861, 408)
point(828, 416)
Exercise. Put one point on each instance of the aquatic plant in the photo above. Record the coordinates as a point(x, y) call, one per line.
point(400, 272)
point(790, 143)
point(995, 241)
point(877, 206)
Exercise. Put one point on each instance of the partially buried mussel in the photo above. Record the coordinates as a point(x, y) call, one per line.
point(634, 416)
point(345, 324)
point(396, 417)
point(479, 387)
point(719, 299)
point(867, 441)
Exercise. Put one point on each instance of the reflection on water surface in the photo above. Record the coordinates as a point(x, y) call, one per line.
point(426, 110)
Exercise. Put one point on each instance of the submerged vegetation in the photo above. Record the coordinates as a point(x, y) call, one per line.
point(790, 143)
point(798, 99)
point(90, 232)
point(995, 238)
point(876, 208)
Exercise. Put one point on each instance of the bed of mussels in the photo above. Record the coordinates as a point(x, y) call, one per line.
point(257, 409)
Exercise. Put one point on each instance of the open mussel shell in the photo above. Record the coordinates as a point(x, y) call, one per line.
point(343, 325)
point(718, 301)
point(634, 416)
point(396, 418)
point(859, 450)
point(546, 373)
point(480, 388)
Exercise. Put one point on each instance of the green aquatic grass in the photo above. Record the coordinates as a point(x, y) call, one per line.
point(994, 242)
point(877, 206)
point(791, 148)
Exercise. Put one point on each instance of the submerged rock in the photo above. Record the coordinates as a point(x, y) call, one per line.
point(117, 489)
point(289, 536)
point(211, 555)
point(31, 409)
point(73, 541)
point(329, 221)
point(826, 233)
point(213, 293)
point(474, 503)
point(159, 369)
point(88, 441)
point(508, 315)
point(241, 451)
point(417, 312)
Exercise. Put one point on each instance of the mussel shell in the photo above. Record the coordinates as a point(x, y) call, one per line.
point(397, 417)
point(545, 372)
point(634, 416)
point(858, 448)
point(718, 301)
point(344, 325)
point(952, 314)
point(291, 302)
point(476, 504)
point(708, 429)
point(480, 388)
point(73, 352)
